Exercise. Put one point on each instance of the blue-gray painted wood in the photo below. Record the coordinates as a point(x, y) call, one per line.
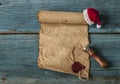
point(19, 80)
point(19, 52)
point(22, 17)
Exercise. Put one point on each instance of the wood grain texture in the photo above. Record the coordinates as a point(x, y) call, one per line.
point(19, 53)
point(19, 29)
point(22, 80)
point(22, 17)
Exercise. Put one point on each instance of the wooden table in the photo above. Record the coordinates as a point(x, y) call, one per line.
point(19, 34)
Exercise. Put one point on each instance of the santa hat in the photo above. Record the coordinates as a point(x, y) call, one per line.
point(91, 16)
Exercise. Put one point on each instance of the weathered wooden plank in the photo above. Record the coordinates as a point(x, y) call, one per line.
point(109, 8)
point(102, 44)
point(74, 5)
point(18, 57)
point(23, 80)
point(22, 17)
point(77, 4)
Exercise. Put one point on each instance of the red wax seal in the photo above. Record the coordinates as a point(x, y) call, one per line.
point(77, 66)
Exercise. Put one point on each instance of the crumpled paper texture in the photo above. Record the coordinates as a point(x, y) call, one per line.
point(60, 32)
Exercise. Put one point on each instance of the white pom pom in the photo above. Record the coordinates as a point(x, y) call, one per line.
point(98, 26)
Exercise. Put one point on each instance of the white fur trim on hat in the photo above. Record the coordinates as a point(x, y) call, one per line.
point(86, 17)
point(98, 26)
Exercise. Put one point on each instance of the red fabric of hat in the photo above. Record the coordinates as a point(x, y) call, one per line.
point(91, 16)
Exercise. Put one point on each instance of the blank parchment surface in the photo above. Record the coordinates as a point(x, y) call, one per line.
point(59, 35)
